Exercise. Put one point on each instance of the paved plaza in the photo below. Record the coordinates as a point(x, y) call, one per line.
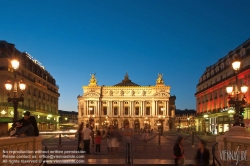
point(150, 153)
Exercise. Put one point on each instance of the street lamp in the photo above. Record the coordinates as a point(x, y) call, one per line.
point(188, 122)
point(9, 85)
point(233, 95)
point(161, 120)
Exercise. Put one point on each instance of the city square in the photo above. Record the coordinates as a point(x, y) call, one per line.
point(151, 82)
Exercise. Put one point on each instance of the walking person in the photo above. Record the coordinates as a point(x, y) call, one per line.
point(179, 151)
point(202, 155)
point(146, 135)
point(86, 134)
point(79, 137)
point(116, 141)
point(108, 138)
point(128, 134)
point(98, 140)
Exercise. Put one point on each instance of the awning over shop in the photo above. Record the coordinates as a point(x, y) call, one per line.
point(5, 120)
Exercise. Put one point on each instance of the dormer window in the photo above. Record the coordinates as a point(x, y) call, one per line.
point(228, 62)
point(208, 75)
point(212, 72)
point(204, 77)
point(217, 69)
point(222, 66)
point(242, 52)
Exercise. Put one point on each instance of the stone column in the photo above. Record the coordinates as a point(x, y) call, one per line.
point(108, 108)
point(156, 108)
point(141, 110)
point(153, 108)
point(118, 109)
point(121, 108)
point(111, 108)
point(165, 108)
point(98, 108)
point(168, 109)
point(130, 110)
point(87, 107)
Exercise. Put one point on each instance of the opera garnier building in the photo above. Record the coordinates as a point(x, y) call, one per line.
point(127, 102)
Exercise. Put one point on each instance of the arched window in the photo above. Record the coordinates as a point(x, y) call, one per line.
point(212, 72)
point(222, 66)
point(242, 52)
point(204, 77)
point(208, 75)
point(228, 62)
point(217, 69)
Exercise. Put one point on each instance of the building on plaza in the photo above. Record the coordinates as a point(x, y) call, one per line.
point(126, 102)
point(41, 93)
point(68, 119)
point(211, 96)
point(185, 119)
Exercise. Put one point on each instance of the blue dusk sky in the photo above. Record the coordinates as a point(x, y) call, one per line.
point(74, 38)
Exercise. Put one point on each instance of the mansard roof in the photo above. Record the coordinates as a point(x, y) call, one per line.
point(126, 82)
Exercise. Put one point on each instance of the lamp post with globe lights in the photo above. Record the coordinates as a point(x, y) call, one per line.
point(234, 99)
point(16, 96)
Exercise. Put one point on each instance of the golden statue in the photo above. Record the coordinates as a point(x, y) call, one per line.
point(159, 79)
point(93, 80)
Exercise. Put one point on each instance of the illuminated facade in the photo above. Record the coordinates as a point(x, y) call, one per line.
point(41, 93)
point(185, 119)
point(211, 97)
point(126, 102)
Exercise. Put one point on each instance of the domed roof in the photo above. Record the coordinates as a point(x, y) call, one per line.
point(126, 82)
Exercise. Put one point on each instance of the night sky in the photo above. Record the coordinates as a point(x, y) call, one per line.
point(74, 38)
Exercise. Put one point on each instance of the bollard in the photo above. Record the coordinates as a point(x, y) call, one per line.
point(126, 152)
point(129, 146)
point(60, 140)
point(193, 146)
point(159, 139)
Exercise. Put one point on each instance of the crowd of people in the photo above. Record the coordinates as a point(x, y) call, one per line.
point(114, 136)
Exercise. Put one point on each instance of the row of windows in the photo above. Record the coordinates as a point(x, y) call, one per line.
point(126, 111)
point(221, 66)
point(41, 106)
point(40, 94)
point(126, 102)
point(213, 81)
point(39, 71)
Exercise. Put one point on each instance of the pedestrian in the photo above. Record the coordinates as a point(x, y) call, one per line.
point(86, 134)
point(117, 138)
point(128, 134)
point(79, 137)
point(179, 151)
point(108, 138)
point(202, 155)
point(145, 135)
point(98, 140)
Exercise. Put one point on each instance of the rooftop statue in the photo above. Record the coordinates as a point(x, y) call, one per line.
point(93, 80)
point(159, 79)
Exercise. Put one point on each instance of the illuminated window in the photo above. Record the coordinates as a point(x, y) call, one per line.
point(137, 110)
point(104, 110)
point(126, 110)
point(115, 110)
point(147, 110)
